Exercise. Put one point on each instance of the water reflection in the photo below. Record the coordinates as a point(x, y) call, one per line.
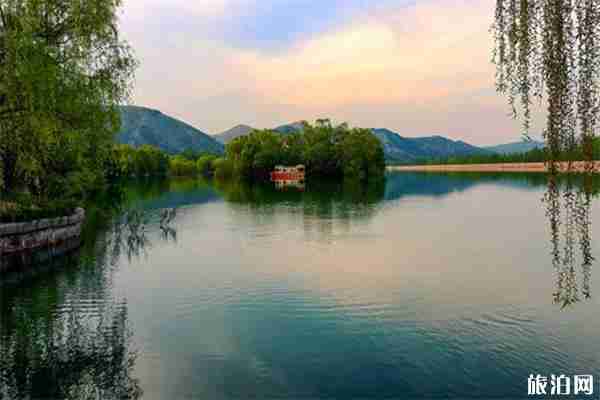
point(130, 232)
point(63, 333)
point(439, 185)
point(568, 208)
point(136, 214)
point(322, 198)
point(567, 200)
point(293, 185)
point(270, 292)
point(73, 355)
point(167, 217)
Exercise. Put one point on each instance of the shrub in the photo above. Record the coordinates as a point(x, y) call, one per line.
point(24, 207)
point(205, 164)
point(181, 166)
point(224, 168)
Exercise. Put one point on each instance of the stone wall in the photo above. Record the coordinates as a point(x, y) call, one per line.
point(23, 237)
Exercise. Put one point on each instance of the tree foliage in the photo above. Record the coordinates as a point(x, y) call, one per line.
point(205, 164)
point(127, 161)
point(326, 150)
point(63, 71)
point(550, 50)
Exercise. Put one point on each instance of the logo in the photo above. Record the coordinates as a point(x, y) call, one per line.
point(560, 385)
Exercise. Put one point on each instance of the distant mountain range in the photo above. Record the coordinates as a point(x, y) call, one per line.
point(243, 130)
point(141, 126)
point(402, 149)
point(288, 129)
point(235, 132)
point(396, 147)
point(516, 147)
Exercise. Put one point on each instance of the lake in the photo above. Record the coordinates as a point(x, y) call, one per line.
point(426, 286)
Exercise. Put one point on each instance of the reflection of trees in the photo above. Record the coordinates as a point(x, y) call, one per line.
point(323, 199)
point(129, 235)
point(72, 356)
point(568, 207)
point(322, 206)
point(62, 334)
point(127, 228)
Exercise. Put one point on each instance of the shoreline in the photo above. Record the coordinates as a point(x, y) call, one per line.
point(539, 167)
point(23, 237)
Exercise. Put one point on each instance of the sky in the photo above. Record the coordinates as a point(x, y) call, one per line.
point(417, 67)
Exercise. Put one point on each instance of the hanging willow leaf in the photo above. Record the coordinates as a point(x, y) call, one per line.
point(549, 50)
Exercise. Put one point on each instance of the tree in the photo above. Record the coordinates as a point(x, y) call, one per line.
point(326, 150)
point(205, 164)
point(63, 72)
point(550, 49)
point(181, 166)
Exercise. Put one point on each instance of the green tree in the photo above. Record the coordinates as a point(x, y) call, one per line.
point(224, 168)
point(205, 164)
point(63, 71)
point(181, 166)
point(326, 150)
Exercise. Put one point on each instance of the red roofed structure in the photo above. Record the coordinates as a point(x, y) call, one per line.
point(283, 174)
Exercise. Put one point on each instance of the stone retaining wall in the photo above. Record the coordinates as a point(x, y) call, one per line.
point(27, 236)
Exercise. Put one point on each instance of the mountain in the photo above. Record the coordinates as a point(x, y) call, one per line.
point(402, 149)
point(145, 126)
point(140, 125)
point(288, 129)
point(516, 147)
point(235, 132)
point(243, 130)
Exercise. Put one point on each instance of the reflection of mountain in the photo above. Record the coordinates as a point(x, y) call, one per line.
point(405, 184)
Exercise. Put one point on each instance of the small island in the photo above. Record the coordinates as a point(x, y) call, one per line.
point(328, 152)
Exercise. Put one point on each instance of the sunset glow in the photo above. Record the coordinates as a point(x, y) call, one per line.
point(416, 68)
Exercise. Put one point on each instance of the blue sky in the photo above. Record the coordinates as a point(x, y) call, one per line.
point(275, 25)
point(418, 68)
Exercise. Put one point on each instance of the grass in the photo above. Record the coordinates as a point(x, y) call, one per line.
point(23, 208)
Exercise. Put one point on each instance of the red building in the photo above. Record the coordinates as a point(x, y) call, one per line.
point(283, 174)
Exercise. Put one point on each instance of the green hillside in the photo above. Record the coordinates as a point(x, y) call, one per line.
point(140, 125)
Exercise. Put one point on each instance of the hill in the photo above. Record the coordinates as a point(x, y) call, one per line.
point(288, 129)
point(401, 149)
point(145, 126)
point(140, 125)
point(243, 130)
point(516, 147)
point(235, 132)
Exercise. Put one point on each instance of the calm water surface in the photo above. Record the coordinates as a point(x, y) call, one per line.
point(431, 286)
